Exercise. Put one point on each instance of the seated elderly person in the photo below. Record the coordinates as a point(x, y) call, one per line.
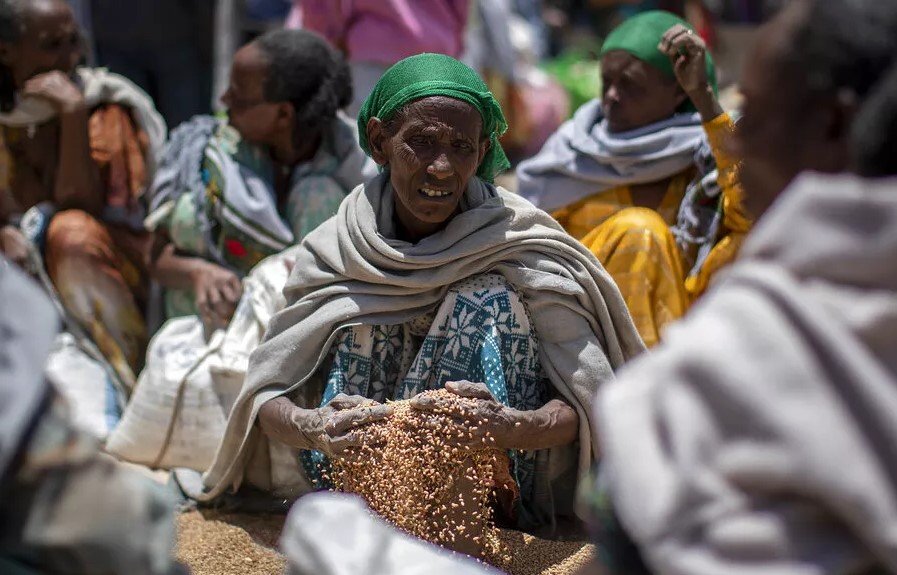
point(79, 146)
point(231, 193)
point(429, 275)
point(643, 176)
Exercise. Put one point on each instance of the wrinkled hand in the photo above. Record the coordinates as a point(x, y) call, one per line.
point(331, 429)
point(218, 291)
point(57, 89)
point(345, 420)
point(14, 245)
point(485, 422)
point(687, 51)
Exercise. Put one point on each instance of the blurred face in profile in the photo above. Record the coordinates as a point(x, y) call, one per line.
point(255, 118)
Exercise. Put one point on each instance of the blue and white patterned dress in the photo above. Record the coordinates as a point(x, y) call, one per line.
point(481, 332)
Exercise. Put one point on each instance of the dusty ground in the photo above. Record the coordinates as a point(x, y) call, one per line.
point(213, 543)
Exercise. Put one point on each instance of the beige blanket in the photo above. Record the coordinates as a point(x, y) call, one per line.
point(350, 271)
point(761, 436)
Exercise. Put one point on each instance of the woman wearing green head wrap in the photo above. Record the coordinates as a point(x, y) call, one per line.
point(429, 278)
point(643, 176)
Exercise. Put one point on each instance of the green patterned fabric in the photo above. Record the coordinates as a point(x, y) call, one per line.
point(427, 75)
point(641, 35)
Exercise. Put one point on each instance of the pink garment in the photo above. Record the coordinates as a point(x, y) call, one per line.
point(385, 31)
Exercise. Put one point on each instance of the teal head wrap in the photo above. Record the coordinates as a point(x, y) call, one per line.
point(428, 75)
point(640, 36)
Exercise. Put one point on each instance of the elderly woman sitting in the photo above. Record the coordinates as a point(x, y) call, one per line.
point(643, 176)
point(231, 193)
point(427, 276)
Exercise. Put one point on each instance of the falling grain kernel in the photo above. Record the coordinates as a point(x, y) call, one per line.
point(412, 478)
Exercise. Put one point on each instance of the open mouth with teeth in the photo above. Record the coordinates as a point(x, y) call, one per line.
point(434, 193)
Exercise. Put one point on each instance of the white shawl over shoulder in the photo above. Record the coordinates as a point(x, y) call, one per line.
point(761, 436)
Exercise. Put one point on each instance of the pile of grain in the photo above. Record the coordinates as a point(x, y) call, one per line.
point(417, 472)
point(211, 543)
point(412, 473)
point(530, 555)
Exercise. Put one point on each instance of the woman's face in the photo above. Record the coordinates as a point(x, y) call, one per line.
point(257, 119)
point(635, 93)
point(433, 148)
point(50, 41)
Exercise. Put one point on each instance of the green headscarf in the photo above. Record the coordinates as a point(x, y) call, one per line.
point(428, 75)
point(640, 36)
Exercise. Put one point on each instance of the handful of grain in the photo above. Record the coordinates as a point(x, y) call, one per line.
point(413, 473)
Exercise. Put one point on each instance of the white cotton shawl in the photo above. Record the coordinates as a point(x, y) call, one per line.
point(357, 541)
point(761, 436)
point(349, 271)
point(584, 158)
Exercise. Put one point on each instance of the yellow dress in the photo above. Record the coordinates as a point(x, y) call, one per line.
point(638, 249)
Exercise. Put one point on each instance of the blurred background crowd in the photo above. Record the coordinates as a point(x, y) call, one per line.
point(538, 56)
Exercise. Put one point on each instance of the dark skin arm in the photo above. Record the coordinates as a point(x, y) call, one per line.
point(217, 289)
point(77, 183)
point(331, 429)
point(686, 50)
point(340, 425)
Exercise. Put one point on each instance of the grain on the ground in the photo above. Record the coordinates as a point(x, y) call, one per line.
point(212, 543)
point(534, 556)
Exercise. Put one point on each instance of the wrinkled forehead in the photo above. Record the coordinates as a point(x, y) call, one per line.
point(440, 112)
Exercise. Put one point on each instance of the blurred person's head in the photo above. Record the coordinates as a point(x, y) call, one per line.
point(286, 85)
point(638, 84)
point(811, 69)
point(36, 36)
